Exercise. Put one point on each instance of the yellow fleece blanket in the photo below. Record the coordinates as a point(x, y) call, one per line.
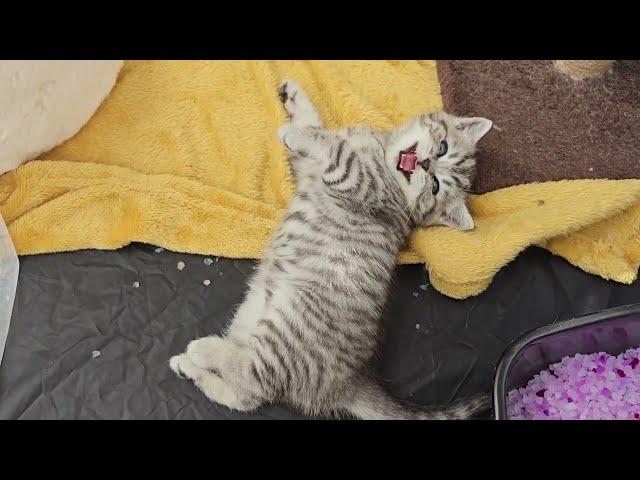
point(185, 155)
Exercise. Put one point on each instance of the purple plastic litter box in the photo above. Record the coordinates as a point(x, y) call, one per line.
point(613, 331)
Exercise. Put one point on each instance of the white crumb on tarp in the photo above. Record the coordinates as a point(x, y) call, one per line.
point(417, 326)
point(181, 265)
point(207, 283)
point(136, 284)
point(208, 261)
point(159, 250)
point(424, 286)
point(95, 354)
point(415, 294)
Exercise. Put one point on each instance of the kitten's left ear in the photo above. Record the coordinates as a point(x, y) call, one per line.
point(474, 128)
point(457, 216)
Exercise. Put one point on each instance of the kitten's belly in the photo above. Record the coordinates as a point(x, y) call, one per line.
point(340, 285)
point(334, 270)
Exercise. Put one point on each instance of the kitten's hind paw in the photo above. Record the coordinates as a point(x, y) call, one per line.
point(210, 353)
point(174, 364)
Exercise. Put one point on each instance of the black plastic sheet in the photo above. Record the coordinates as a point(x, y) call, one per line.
point(69, 305)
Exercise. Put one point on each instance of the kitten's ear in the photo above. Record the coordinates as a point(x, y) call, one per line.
point(457, 216)
point(474, 128)
point(306, 141)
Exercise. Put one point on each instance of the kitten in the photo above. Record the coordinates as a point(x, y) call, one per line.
point(309, 326)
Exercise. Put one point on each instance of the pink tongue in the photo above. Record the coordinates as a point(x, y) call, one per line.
point(408, 162)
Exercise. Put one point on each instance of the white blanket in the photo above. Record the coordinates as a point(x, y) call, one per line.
point(45, 102)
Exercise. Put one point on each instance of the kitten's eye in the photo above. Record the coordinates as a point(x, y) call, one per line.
point(443, 148)
point(435, 186)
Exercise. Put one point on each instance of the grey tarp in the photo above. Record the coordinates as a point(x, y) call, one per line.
point(71, 304)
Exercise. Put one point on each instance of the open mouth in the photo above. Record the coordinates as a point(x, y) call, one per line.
point(407, 161)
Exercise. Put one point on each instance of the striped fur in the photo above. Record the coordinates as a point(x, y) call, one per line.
point(310, 323)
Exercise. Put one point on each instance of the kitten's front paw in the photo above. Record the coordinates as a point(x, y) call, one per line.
point(288, 92)
point(296, 102)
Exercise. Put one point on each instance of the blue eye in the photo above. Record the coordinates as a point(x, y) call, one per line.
point(443, 148)
point(435, 186)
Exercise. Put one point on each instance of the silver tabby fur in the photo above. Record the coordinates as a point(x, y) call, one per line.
point(310, 324)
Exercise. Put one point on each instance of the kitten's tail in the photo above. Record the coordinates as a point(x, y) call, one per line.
point(372, 402)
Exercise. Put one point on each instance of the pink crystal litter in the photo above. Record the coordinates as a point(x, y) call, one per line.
point(597, 386)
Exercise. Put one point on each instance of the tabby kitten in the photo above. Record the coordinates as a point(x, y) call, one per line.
point(308, 328)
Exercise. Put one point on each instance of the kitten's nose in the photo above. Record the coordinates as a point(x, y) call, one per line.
point(424, 164)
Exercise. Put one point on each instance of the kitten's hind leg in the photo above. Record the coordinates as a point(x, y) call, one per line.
point(214, 353)
point(296, 102)
point(220, 369)
point(215, 388)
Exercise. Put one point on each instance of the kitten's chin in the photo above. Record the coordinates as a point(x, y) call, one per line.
point(413, 188)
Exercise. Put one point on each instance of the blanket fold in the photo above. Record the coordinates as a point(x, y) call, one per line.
point(185, 155)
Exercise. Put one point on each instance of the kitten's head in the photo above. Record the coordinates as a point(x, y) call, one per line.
point(431, 156)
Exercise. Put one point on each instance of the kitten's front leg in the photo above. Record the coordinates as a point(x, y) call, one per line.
point(309, 142)
point(296, 102)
